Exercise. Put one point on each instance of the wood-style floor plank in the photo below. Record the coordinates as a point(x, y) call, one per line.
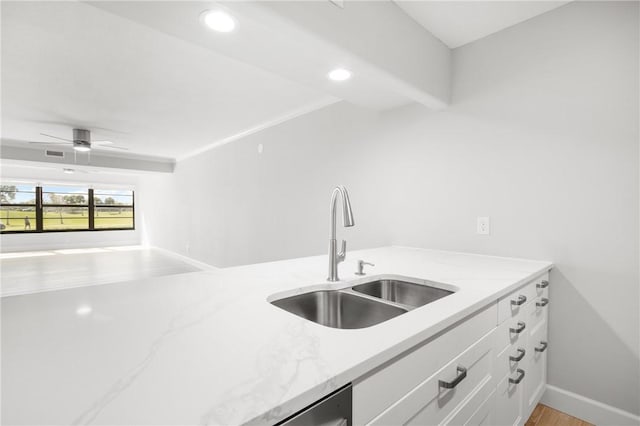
point(535, 416)
point(546, 416)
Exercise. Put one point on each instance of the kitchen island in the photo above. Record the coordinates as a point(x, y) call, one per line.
point(208, 348)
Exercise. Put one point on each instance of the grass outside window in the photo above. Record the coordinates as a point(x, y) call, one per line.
point(56, 208)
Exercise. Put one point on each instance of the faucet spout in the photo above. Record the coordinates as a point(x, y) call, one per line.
point(347, 221)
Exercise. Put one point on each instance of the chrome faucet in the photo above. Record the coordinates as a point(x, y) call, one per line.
point(347, 221)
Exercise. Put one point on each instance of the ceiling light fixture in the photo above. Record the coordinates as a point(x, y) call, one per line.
point(217, 20)
point(339, 74)
point(68, 171)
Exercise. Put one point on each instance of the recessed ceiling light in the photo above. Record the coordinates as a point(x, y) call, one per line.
point(68, 171)
point(340, 74)
point(218, 21)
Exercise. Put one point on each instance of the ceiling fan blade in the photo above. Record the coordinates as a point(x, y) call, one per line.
point(51, 143)
point(101, 142)
point(56, 137)
point(111, 147)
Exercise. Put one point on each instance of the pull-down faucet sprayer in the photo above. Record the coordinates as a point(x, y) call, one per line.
point(347, 221)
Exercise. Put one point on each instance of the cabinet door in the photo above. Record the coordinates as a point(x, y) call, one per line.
point(536, 366)
point(509, 401)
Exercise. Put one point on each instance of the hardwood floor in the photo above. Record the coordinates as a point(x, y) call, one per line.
point(547, 416)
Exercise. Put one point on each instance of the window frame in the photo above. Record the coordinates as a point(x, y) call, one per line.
point(91, 205)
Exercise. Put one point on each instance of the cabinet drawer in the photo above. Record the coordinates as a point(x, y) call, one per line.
point(513, 332)
point(430, 402)
point(485, 414)
point(468, 412)
point(542, 289)
point(507, 305)
point(506, 362)
point(386, 385)
point(537, 312)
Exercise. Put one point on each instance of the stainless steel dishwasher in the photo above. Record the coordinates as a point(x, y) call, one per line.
point(332, 410)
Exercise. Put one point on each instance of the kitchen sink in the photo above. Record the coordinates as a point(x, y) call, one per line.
point(339, 309)
point(364, 304)
point(402, 292)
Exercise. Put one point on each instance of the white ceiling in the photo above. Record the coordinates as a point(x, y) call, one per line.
point(457, 23)
point(68, 64)
point(146, 75)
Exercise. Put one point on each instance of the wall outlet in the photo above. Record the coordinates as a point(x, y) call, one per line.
point(484, 226)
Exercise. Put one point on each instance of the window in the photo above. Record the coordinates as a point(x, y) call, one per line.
point(17, 207)
point(113, 209)
point(57, 208)
point(65, 208)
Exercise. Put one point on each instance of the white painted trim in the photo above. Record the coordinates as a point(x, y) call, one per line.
point(186, 259)
point(262, 126)
point(587, 409)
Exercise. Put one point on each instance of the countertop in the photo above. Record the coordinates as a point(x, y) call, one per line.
point(207, 347)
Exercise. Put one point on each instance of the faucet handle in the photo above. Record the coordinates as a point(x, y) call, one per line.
point(361, 264)
point(343, 251)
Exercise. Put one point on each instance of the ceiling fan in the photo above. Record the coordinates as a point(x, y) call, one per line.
point(81, 141)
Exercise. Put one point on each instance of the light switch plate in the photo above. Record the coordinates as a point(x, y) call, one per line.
point(484, 226)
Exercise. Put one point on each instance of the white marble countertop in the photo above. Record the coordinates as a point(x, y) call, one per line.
point(207, 348)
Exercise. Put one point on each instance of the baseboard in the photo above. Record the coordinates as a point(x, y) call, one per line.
point(587, 409)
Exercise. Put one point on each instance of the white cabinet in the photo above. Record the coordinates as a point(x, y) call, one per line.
point(489, 369)
point(521, 364)
point(436, 399)
point(537, 365)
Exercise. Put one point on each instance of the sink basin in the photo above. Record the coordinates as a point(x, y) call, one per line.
point(338, 309)
point(402, 292)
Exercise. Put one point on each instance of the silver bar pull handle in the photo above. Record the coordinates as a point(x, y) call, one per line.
point(543, 284)
point(462, 373)
point(520, 301)
point(518, 357)
point(518, 379)
point(542, 347)
point(520, 329)
point(543, 302)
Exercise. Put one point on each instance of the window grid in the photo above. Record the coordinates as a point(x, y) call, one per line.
point(91, 207)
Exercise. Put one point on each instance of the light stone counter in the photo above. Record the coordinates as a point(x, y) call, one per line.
point(208, 348)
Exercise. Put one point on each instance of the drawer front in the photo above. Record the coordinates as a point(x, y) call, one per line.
point(511, 359)
point(472, 412)
point(431, 402)
point(542, 285)
point(513, 332)
point(509, 401)
point(536, 366)
point(378, 390)
point(513, 304)
point(538, 312)
point(484, 416)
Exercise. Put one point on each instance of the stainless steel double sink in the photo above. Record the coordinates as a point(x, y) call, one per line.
point(362, 305)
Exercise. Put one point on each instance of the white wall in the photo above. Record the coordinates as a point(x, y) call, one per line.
point(245, 207)
point(66, 240)
point(542, 137)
